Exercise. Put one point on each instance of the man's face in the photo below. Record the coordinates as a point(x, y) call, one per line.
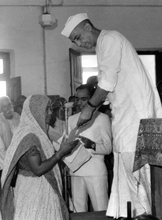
point(7, 109)
point(82, 98)
point(82, 37)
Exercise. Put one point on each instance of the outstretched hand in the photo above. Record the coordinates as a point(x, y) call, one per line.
point(85, 116)
point(67, 147)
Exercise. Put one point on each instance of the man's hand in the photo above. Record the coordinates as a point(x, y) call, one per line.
point(88, 143)
point(85, 116)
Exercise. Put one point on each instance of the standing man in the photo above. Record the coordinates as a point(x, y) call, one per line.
point(9, 121)
point(91, 179)
point(125, 82)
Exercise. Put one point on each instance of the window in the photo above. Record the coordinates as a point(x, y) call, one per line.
point(2, 88)
point(4, 71)
point(83, 65)
point(1, 66)
point(89, 66)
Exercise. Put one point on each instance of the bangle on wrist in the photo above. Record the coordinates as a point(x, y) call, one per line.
point(91, 105)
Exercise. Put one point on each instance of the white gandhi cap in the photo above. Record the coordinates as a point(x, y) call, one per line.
point(72, 22)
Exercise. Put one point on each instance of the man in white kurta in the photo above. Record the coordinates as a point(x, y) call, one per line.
point(9, 121)
point(132, 95)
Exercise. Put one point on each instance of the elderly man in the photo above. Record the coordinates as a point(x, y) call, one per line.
point(9, 121)
point(126, 84)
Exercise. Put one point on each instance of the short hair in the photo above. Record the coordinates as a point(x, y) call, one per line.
point(20, 99)
point(72, 98)
point(89, 87)
point(82, 23)
point(59, 102)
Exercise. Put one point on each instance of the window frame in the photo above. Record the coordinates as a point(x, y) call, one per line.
point(156, 52)
point(5, 56)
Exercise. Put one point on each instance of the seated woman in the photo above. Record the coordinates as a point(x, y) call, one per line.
point(38, 189)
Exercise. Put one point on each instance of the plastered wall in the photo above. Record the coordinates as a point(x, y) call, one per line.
point(41, 57)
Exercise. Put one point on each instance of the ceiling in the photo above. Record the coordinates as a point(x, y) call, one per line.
point(81, 2)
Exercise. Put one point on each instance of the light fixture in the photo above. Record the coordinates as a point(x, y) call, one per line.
point(46, 19)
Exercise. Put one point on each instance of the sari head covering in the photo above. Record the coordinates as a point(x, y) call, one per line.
point(35, 197)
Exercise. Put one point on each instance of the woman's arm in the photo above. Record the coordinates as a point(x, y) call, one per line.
point(40, 167)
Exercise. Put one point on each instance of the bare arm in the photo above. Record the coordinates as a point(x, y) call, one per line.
point(97, 99)
point(40, 167)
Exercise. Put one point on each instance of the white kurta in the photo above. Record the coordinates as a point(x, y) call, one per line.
point(34, 197)
point(100, 133)
point(132, 96)
point(7, 128)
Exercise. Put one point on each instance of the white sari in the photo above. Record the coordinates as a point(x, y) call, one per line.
point(33, 198)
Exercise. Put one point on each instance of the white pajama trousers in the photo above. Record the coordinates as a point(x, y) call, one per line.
point(94, 186)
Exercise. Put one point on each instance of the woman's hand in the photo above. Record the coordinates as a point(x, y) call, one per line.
point(67, 147)
point(40, 167)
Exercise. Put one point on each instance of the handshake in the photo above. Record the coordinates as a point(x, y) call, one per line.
point(87, 143)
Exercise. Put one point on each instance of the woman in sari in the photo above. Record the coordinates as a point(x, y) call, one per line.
point(37, 191)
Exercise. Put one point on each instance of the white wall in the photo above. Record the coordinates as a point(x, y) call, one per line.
point(21, 34)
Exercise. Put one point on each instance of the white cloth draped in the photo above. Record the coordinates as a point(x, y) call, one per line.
point(7, 128)
point(133, 96)
point(34, 197)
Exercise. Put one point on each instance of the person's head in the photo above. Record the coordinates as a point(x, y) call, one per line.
point(19, 104)
point(72, 98)
point(73, 110)
point(58, 108)
point(6, 107)
point(83, 93)
point(92, 80)
point(81, 31)
point(39, 106)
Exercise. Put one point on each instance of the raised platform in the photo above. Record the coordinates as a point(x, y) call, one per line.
point(99, 215)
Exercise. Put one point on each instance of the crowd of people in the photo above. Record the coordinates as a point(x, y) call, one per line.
point(37, 136)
